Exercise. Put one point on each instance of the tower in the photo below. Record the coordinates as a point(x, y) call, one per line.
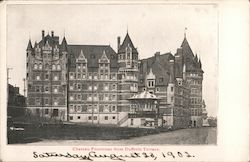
point(127, 72)
point(46, 78)
point(194, 77)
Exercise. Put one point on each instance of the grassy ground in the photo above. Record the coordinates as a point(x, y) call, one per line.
point(76, 132)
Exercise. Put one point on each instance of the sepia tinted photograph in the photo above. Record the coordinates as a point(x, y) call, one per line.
point(112, 74)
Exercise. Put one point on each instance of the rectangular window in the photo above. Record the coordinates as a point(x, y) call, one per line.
point(46, 111)
point(90, 76)
point(37, 89)
point(79, 97)
point(55, 112)
point(46, 76)
point(89, 97)
point(37, 111)
point(172, 89)
point(83, 76)
point(95, 117)
point(37, 101)
point(89, 117)
point(95, 76)
point(106, 117)
point(55, 89)
point(79, 86)
point(46, 101)
point(113, 108)
point(55, 101)
point(78, 76)
point(132, 122)
point(71, 75)
point(70, 117)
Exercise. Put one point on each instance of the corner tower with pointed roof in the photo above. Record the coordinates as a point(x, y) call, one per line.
point(46, 78)
point(194, 77)
point(127, 71)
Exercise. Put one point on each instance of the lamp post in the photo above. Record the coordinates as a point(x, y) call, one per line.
point(157, 112)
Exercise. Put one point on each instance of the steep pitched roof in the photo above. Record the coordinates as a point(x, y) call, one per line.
point(92, 53)
point(64, 44)
point(160, 65)
point(51, 40)
point(127, 40)
point(29, 47)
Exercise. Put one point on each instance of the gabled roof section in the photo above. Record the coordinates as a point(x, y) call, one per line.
point(160, 67)
point(127, 41)
point(51, 40)
point(186, 48)
point(81, 58)
point(92, 53)
point(64, 45)
point(104, 58)
point(145, 95)
point(29, 47)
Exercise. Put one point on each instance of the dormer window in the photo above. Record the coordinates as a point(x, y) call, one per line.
point(151, 83)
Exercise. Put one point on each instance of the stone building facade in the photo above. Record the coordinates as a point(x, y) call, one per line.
point(92, 83)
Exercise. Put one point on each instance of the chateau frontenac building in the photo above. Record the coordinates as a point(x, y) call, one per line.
point(93, 83)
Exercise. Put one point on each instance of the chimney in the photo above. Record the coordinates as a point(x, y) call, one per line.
point(42, 33)
point(157, 56)
point(118, 43)
point(52, 33)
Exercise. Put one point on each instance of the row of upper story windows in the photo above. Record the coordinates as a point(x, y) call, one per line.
point(92, 97)
point(38, 77)
point(46, 67)
point(95, 76)
point(196, 91)
point(196, 100)
point(194, 74)
point(46, 101)
point(46, 89)
point(95, 87)
point(91, 108)
point(196, 112)
point(195, 82)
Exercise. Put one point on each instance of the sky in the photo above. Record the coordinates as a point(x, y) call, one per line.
point(152, 28)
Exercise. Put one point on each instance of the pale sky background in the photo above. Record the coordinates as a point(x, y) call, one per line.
point(152, 28)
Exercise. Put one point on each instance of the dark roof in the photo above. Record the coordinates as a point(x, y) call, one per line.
point(92, 53)
point(160, 65)
point(51, 40)
point(29, 47)
point(190, 60)
point(127, 40)
point(64, 44)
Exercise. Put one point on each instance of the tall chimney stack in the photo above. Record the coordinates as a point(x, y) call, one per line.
point(118, 43)
point(42, 33)
point(52, 33)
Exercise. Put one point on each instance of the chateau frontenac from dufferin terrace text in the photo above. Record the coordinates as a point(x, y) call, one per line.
point(97, 85)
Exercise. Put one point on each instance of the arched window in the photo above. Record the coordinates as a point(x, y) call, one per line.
point(40, 66)
point(58, 67)
point(35, 66)
point(46, 66)
point(53, 67)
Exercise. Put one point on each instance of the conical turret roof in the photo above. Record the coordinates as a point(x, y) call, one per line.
point(64, 44)
point(29, 47)
point(127, 41)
